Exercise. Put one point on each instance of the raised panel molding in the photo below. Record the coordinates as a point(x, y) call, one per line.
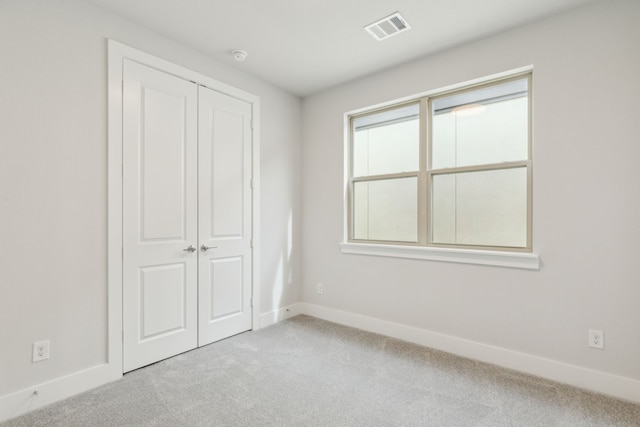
point(224, 289)
point(160, 287)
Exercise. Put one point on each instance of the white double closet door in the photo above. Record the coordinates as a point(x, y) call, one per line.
point(186, 215)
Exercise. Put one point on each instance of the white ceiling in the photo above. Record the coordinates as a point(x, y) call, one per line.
point(304, 46)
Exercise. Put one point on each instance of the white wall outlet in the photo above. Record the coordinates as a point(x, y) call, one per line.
point(596, 339)
point(320, 289)
point(40, 351)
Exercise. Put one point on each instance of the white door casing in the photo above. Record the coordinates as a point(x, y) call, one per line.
point(118, 55)
point(159, 215)
point(224, 214)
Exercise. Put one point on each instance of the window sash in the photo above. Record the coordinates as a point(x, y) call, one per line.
point(407, 177)
point(525, 164)
point(395, 114)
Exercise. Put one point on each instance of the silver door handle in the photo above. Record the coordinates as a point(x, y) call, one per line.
point(190, 249)
point(205, 248)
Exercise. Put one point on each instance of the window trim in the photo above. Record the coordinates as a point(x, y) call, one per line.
point(523, 260)
point(425, 248)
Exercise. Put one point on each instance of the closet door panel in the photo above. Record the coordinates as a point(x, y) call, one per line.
point(225, 137)
point(159, 215)
point(162, 156)
point(225, 297)
point(227, 175)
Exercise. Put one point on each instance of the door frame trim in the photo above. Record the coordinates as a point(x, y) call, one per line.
point(117, 53)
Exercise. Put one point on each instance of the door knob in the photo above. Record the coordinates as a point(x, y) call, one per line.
point(205, 248)
point(190, 249)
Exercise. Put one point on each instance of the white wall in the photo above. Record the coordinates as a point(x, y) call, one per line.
point(53, 177)
point(586, 199)
point(53, 182)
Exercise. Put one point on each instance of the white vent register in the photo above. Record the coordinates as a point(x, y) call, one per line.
point(387, 27)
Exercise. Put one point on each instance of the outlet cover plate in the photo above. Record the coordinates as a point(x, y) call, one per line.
point(596, 339)
point(40, 351)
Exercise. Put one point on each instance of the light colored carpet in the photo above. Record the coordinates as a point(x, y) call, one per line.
point(309, 372)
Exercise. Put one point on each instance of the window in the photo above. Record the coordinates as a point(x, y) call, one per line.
point(448, 170)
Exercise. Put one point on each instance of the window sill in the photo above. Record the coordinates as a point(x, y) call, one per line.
point(523, 260)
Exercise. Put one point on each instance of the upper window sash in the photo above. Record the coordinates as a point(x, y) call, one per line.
point(369, 141)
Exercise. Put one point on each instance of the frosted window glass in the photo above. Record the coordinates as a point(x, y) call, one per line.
point(483, 131)
point(389, 146)
point(386, 209)
point(486, 208)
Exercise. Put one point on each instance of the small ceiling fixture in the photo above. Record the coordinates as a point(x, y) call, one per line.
point(469, 110)
point(239, 55)
point(387, 27)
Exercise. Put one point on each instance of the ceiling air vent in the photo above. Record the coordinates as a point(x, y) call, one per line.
point(387, 27)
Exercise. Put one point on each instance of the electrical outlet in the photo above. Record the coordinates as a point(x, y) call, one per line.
point(320, 288)
point(596, 339)
point(40, 351)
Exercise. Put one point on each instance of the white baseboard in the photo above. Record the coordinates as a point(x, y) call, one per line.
point(23, 401)
point(589, 379)
point(275, 316)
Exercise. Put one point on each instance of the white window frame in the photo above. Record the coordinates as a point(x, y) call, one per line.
point(424, 248)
